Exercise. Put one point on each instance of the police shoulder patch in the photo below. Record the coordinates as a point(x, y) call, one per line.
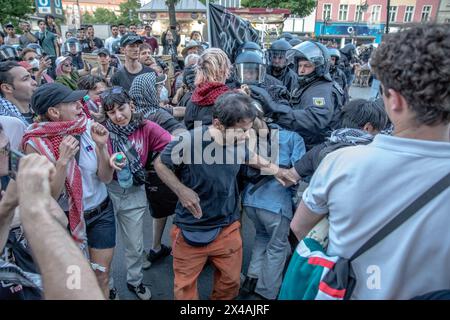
point(319, 101)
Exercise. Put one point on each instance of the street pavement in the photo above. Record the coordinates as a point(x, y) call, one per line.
point(159, 278)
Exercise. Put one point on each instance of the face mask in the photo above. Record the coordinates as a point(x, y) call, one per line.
point(164, 94)
point(35, 64)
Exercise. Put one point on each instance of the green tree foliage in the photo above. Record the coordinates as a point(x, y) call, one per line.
point(102, 15)
point(128, 12)
point(15, 10)
point(301, 8)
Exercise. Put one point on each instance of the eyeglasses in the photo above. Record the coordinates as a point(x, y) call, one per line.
point(67, 65)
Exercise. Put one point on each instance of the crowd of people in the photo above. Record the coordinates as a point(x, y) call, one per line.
point(272, 134)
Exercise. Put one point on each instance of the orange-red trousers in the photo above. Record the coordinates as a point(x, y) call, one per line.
point(225, 253)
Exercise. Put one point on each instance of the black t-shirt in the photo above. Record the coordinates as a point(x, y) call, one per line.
point(124, 79)
point(86, 45)
point(213, 178)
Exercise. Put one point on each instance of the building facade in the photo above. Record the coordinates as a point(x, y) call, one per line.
point(443, 15)
point(364, 21)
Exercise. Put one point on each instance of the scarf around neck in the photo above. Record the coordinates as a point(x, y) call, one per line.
point(351, 136)
point(120, 143)
point(47, 137)
point(144, 94)
point(206, 94)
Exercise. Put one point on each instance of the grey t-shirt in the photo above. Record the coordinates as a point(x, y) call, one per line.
point(210, 169)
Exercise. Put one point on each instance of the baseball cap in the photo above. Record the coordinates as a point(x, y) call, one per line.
point(130, 39)
point(51, 94)
point(9, 25)
point(102, 51)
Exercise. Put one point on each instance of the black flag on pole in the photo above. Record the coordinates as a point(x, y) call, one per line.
point(228, 31)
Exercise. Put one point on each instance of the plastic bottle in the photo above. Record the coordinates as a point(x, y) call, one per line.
point(92, 106)
point(124, 176)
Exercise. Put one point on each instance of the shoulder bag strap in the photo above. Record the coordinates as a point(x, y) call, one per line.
point(407, 213)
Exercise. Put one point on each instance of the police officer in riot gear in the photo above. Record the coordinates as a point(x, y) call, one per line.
point(250, 68)
point(72, 48)
point(336, 73)
point(316, 104)
point(8, 53)
point(348, 57)
point(278, 64)
point(36, 47)
point(254, 47)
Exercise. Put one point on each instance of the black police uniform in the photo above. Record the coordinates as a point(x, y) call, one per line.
point(288, 78)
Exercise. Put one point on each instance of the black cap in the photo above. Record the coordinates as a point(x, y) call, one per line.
point(103, 51)
point(130, 39)
point(51, 94)
point(9, 25)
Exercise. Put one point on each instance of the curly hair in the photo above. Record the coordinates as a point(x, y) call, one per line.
point(415, 62)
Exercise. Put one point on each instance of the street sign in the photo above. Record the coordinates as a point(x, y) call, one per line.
point(43, 6)
point(59, 8)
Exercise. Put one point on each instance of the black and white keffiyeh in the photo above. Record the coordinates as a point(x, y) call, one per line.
point(351, 136)
point(120, 143)
point(10, 110)
point(144, 94)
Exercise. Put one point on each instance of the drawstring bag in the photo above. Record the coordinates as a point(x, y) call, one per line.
point(314, 275)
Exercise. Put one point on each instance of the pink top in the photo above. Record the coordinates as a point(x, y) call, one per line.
point(149, 138)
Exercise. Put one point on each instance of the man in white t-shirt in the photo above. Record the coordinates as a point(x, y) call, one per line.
point(114, 37)
point(362, 188)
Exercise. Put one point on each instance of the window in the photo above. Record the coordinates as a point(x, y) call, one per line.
point(358, 14)
point(409, 13)
point(343, 11)
point(326, 12)
point(392, 14)
point(375, 15)
point(426, 13)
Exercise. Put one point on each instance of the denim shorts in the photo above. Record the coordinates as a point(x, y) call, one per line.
point(101, 229)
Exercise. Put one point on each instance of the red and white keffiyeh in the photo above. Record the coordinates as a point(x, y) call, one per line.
point(47, 137)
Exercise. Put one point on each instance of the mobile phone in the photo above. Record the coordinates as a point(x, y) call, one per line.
point(13, 163)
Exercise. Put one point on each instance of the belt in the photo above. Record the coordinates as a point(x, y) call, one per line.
point(97, 210)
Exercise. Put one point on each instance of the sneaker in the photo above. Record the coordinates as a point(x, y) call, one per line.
point(146, 264)
point(163, 252)
point(141, 291)
point(113, 294)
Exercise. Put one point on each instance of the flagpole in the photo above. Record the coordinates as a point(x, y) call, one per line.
point(208, 20)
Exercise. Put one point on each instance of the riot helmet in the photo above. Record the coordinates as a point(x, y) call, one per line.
point(37, 48)
point(286, 36)
point(250, 68)
point(277, 54)
point(349, 50)
point(253, 47)
point(18, 48)
point(314, 52)
point(334, 53)
point(8, 52)
point(72, 46)
point(295, 41)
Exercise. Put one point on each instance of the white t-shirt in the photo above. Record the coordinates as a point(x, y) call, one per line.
point(14, 130)
point(94, 191)
point(363, 188)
